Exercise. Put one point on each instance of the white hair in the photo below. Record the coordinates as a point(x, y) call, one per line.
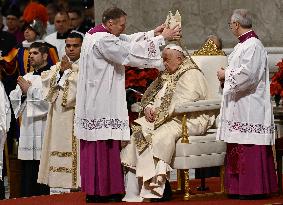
point(243, 17)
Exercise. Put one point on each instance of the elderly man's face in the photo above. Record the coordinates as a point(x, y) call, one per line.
point(172, 60)
point(234, 27)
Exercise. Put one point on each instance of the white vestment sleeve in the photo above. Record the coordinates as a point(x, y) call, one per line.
point(145, 54)
point(36, 105)
point(140, 36)
point(248, 75)
point(17, 105)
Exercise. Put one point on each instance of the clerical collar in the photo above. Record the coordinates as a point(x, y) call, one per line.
point(242, 38)
point(106, 29)
point(98, 28)
point(40, 70)
point(63, 35)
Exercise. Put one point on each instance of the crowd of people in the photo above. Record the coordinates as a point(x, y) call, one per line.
point(67, 93)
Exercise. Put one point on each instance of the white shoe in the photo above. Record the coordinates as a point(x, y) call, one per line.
point(132, 188)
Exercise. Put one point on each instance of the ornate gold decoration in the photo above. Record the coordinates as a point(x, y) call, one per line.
point(179, 180)
point(75, 157)
point(185, 136)
point(140, 140)
point(52, 85)
point(152, 91)
point(187, 195)
point(209, 49)
point(60, 169)
point(61, 154)
point(66, 90)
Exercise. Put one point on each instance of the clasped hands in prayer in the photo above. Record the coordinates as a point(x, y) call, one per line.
point(24, 84)
point(167, 33)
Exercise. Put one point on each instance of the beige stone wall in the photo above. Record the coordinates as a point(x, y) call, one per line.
point(201, 17)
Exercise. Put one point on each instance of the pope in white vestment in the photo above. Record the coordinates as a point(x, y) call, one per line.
point(5, 119)
point(153, 140)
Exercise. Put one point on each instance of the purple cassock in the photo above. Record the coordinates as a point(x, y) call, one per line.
point(100, 164)
point(250, 169)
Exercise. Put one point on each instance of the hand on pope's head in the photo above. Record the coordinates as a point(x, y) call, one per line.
point(172, 34)
point(65, 63)
point(149, 114)
point(158, 30)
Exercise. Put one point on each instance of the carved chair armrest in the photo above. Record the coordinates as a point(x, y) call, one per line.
point(186, 108)
point(202, 105)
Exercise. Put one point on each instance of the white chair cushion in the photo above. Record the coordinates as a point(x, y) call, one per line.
point(200, 145)
point(193, 162)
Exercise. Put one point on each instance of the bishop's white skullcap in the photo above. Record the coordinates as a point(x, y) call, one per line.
point(175, 47)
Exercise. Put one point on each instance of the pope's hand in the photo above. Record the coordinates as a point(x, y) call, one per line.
point(149, 114)
point(172, 34)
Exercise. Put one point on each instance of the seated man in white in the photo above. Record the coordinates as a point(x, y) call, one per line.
point(148, 155)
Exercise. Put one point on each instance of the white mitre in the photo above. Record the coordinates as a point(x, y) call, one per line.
point(173, 20)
